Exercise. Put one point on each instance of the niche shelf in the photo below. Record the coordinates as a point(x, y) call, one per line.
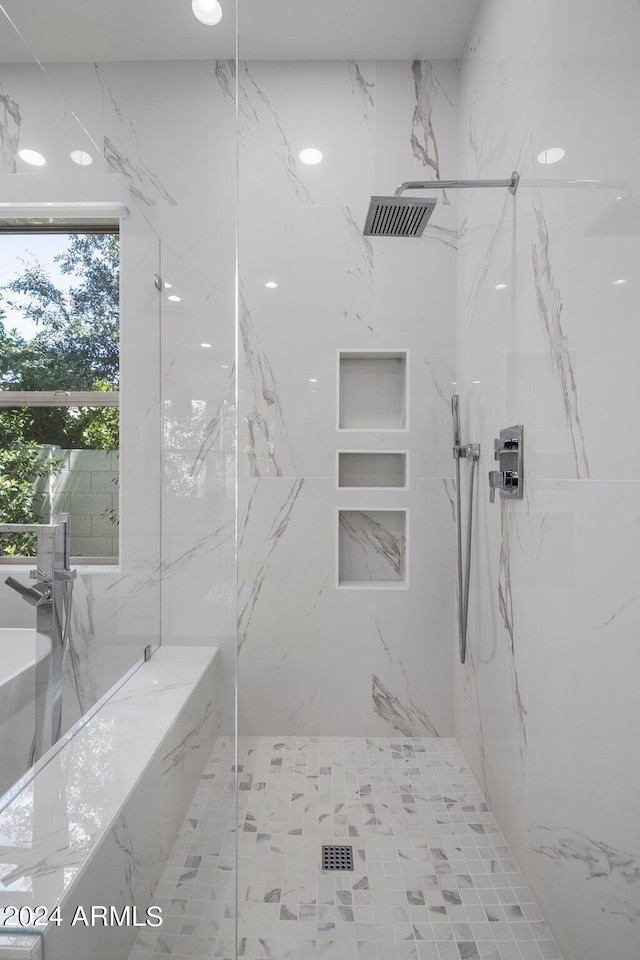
point(372, 549)
point(372, 392)
point(372, 468)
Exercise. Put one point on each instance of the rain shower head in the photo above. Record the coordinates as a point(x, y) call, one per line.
point(398, 216)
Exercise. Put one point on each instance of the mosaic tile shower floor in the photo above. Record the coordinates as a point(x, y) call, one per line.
point(433, 877)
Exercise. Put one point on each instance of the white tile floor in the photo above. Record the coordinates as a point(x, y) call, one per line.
point(433, 877)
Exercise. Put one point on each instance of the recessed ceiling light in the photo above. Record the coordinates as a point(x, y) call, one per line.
point(312, 380)
point(619, 283)
point(168, 286)
point(476, 381)
point(310, 155)
point(32, 157)
point(208, 12)
point(205, 346)
point(225, 366)
point(81, 157)
point(174, 299)
point(271, 284)
point(551, 155)
point(500, 286)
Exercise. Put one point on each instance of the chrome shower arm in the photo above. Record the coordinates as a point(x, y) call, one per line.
point(511, 184)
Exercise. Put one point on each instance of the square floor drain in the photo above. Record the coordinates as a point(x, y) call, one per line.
point(335, 857)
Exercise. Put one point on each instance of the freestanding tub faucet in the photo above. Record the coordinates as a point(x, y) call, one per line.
point(51, 595)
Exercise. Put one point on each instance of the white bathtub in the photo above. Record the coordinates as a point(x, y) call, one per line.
point(17, 702)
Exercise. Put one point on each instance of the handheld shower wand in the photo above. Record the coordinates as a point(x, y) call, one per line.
point(470, 451)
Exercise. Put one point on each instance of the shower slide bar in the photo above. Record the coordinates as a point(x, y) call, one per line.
point(471, 452)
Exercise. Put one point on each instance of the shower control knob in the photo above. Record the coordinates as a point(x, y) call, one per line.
point(508, 450)
point(502, 480)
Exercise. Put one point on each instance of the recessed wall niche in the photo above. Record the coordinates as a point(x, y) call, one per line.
point(372, 468)
point(372, 393)
point(372, 549)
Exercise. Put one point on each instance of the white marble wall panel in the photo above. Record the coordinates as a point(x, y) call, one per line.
point(304, 648)
point(332, 109)
point(411, 668)
point(312, 660)
point(36, 117)
point(545, 707)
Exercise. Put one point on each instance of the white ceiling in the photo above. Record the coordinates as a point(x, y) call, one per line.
point(88, 30)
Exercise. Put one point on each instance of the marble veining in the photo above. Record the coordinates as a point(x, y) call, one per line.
point(487, 261)
point(616, 614)
point(424, 144)
point(549, 303)
point(82, 636)
point(257, 113)
point(225, 71)
point(144, 183)
point(378, 545)
point(213, 430)
point(399, 710)
point(10, 122)
point(138, 581)
point(364, 91)
point(505, 604)
point(192, 741)
point(615, 873)
point(255, 577)
point(268, 449)
point(401, 715)
point(450, 493)
point(447, 236)
point(361, 256)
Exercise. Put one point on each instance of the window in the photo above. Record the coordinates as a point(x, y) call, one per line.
point(59, 382)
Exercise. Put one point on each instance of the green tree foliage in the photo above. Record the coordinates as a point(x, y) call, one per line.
point(77, 340)
point(76, 347)
point(20, 467)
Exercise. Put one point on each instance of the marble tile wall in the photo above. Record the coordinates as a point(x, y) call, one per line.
point(547, 707)
point(314, 659)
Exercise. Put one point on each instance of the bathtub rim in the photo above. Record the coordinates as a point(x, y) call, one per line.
point(9, 796)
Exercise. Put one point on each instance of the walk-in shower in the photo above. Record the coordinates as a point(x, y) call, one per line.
point(367, 734)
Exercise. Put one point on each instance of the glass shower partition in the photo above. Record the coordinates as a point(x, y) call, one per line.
point(80, 448)
point(112, 115)
point(80, 413)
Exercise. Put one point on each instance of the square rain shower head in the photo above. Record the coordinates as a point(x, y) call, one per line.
point(398, 216)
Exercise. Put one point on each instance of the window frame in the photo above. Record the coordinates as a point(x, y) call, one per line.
point(23, 399)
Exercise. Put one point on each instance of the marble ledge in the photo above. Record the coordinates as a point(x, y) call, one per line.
point(21, 947)
point(50, 830)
